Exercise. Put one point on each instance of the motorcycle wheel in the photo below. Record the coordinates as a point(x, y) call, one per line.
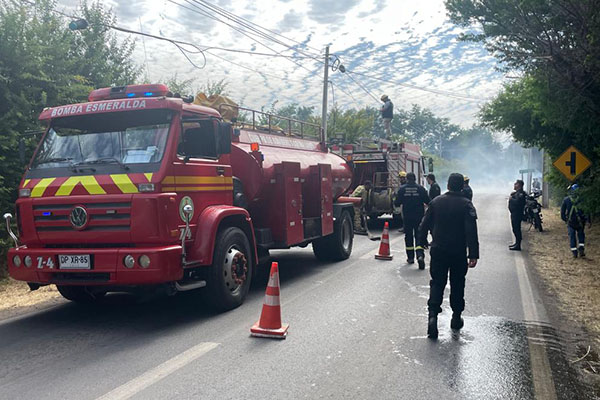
point(538, 223)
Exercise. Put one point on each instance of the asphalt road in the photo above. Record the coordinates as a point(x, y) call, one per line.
point(357, 331)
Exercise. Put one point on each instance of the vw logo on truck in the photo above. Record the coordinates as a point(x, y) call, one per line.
point(78, 217)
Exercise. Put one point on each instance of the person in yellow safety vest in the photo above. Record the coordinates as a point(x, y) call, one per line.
point(363, 192)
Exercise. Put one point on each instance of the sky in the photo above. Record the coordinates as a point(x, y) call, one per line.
point(402, 43)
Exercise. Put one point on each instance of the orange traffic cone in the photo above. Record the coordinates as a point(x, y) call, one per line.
point(384, 247)
point(269, 325)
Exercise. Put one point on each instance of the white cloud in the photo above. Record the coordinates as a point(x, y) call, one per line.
point(398, 40)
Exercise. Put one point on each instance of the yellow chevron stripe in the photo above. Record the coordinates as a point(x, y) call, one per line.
point(40, 188)
point(148, 176)
point(124, 183)
point(26, 182)
point(89, 183)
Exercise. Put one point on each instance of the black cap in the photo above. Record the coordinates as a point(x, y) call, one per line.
point(411, 177)
point(455, 182)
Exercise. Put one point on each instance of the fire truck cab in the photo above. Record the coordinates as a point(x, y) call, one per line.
point(137, 189)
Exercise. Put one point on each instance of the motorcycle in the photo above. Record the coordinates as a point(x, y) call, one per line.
point(533, 211)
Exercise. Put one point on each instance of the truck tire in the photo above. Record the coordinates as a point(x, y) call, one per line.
point(338, 245)
point(231, 271)
point(79, 294)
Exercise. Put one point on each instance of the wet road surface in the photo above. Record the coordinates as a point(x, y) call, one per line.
point(357, 330)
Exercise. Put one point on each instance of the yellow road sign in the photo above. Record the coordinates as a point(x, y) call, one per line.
point(572, 163)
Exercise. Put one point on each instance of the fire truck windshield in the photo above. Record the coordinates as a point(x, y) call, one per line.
point(94, 139)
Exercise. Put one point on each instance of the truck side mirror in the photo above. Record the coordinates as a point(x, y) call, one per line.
point(223, 131)
point(430, 164)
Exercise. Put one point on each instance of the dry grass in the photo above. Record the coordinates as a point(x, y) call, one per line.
point(574, 282)
point(15, 297)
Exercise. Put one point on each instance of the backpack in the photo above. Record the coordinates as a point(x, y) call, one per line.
point(576, 219)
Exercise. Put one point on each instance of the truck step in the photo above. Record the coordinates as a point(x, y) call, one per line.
point(185, 286)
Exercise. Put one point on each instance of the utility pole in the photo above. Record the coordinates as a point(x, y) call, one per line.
point(545, 186)
point(324, 109)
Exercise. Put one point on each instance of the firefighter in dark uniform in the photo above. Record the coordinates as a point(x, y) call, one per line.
point(516, 206)
point(466, 190)
point(434, 188)
point(413, 198)
point(452, 220)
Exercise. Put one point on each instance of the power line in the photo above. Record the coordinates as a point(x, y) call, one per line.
point(266, 29)
point(362, 87)
point(252, 26)
point(198, 10)
point(430, 90)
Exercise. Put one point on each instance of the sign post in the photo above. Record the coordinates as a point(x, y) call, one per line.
point(572, 163)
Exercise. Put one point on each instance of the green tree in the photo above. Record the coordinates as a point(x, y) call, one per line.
point(43, 64)
point(555, 45)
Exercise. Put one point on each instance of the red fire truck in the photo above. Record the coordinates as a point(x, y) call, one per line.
point(139, 189)
point(381, 163)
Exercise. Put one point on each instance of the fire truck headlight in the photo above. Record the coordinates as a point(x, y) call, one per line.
point(28, 261)
point(17, 261)
point(146, 187)
point(24, 192)
point(144, 261)
point(129, 261)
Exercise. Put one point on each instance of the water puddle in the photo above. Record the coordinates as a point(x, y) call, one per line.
point(490, 358)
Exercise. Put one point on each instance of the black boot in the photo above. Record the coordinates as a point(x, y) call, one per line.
point(581, 251)
point(432, 328)
point(515, 247)
point(421, 261)
point(574, 253)
point(456, 322)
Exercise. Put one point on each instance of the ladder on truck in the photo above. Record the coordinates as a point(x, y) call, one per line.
point(396, 162)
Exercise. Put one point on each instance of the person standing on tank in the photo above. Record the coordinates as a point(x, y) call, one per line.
point(387, 114)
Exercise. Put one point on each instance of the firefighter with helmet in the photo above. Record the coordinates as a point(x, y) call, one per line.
point(363, 192)
point(399, 219)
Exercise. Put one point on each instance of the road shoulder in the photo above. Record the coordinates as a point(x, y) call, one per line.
point(569, 290)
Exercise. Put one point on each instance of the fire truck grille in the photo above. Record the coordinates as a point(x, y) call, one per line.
point(105, 217)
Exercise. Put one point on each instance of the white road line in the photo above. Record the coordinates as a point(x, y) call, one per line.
point(154, 375)
point(543, 383)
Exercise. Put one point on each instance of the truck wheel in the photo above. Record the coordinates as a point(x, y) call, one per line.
point(231, 271)
point(79, 294)
point(338, 245)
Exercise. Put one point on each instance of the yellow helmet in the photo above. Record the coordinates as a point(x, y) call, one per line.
point(402, 174)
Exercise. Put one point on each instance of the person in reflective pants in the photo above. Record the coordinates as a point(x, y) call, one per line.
point(413, 198)
point(452, 221)
point(575, 219)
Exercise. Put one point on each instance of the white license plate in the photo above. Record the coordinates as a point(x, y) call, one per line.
point(74, 261)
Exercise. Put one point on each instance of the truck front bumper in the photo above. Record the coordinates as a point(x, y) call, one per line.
point(106, 267)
